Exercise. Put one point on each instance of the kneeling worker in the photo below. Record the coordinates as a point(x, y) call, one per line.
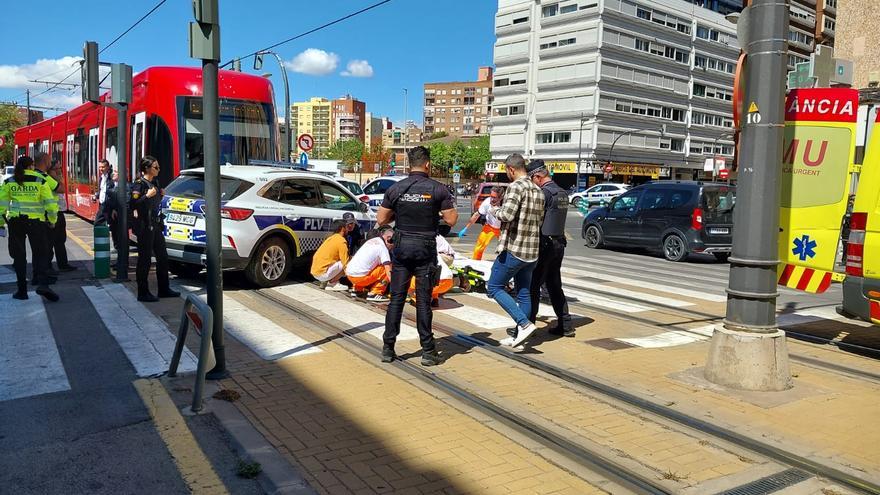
point(328, 264)
point(370, 267)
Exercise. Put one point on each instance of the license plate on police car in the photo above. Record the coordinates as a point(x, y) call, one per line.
point(719, 230)
point(181, 218)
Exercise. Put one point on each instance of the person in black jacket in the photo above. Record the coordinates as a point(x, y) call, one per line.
point(146, 199)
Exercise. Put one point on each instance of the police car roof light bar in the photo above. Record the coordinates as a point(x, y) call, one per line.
point(277, 164)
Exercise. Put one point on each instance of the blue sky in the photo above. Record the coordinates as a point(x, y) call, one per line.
point(402, 44)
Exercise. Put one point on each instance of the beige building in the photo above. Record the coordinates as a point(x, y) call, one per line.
point(859, 40)
point(312, 117)
point(375, 127)
point(459, 108)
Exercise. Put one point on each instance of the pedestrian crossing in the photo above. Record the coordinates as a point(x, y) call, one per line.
point(263, 336)
point(29, 360)
point(144, 337)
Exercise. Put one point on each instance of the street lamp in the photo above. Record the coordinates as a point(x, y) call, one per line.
point(405, 152)
point(577, 167)
point(258, 64)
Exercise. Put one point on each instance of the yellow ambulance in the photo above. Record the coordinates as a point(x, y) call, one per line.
point(861, 288)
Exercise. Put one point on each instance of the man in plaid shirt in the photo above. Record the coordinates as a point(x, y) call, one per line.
point(521, 213)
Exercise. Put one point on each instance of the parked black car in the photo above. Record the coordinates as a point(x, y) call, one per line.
point(679, 217)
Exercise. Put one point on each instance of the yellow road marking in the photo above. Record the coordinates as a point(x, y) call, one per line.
point(82, 243)
point(191, 462)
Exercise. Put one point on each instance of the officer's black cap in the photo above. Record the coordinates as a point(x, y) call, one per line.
point(535, 166)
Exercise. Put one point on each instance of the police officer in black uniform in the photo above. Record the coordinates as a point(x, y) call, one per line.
point(148, 226)
point(416, 205)
point(551, 249)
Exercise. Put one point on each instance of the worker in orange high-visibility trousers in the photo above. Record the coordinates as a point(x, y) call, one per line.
point(492, 227)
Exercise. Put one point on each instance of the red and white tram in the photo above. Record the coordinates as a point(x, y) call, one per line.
point(165, 121)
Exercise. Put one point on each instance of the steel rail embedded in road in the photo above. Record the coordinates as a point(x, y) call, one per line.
point(756, 446)
point(592, 460)
point(708, 317)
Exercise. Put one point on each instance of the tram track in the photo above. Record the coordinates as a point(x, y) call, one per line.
point(709, 318)
point(598, 463)
point(687, 421)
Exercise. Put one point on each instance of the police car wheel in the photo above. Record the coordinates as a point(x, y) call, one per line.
point(593, 236)
point(184, 270)
point(270, 265)
point(576, 201)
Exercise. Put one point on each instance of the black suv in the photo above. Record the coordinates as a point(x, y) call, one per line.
point(679, 217)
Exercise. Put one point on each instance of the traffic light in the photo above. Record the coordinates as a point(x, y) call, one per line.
point(393, 159)
point(90, 89)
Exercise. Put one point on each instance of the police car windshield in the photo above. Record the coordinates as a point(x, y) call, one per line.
point(354, 187)
point(193, 187)
point(246, 131)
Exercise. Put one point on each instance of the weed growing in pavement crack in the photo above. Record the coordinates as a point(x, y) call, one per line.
point(249, 470)
point(704, 442)
point(227, 395)
point(669, 475)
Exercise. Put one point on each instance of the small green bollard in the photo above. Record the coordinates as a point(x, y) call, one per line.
point(102, 251)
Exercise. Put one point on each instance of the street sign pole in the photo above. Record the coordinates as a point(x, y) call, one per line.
point(205, 45)
point(749, 352)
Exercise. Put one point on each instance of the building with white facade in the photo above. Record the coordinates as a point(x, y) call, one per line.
point(651, 79)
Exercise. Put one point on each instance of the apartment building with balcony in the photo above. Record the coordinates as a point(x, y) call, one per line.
point(812, 23)
point(459, 108)
point(643, 85)
point(349, 119)
point(312, 117)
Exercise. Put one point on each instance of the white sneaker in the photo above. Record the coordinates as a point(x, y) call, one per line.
point(337, 287)
point(378, 298)
point(524, 333)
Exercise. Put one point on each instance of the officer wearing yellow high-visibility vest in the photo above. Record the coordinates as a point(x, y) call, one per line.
point(27, 204)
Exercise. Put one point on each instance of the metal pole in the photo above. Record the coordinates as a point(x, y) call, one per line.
point(28, 106)
point(122, 192)
point(577, 167)
point(285, 148)
point(405, 153)
point(750, 351)
point(211, 109)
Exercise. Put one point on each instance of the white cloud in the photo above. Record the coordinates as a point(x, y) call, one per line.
point(314, 62)
point(19, 76)
point(358, 68)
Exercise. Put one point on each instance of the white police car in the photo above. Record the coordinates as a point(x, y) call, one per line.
point(599, 193)
point(271, 217)
point(375, 188)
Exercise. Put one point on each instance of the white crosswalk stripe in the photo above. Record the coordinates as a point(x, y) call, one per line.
point(702, 295)
point(144, 337)
point(263, 336)
point(545, 310)
point(7, 276)
point(649, 261)
point(584, 262)
point(607, 289)
point(29, 360)
point(348, 312)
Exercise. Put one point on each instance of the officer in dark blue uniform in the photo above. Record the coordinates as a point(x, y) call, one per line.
point(416, 205)
point(551, 249)
point(148, 226)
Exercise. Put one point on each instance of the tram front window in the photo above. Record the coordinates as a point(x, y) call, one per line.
point(246, 132)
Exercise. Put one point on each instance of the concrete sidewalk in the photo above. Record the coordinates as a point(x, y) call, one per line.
point(73, 419)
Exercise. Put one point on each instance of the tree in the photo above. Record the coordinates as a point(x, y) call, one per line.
point(438, 135)
point(10, 120)
point(441, 157)
point(349, 151)
point(475, 157)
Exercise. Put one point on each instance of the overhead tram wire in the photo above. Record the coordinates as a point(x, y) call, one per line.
point(143, 17)
point(313, 30)
point(132, 26)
